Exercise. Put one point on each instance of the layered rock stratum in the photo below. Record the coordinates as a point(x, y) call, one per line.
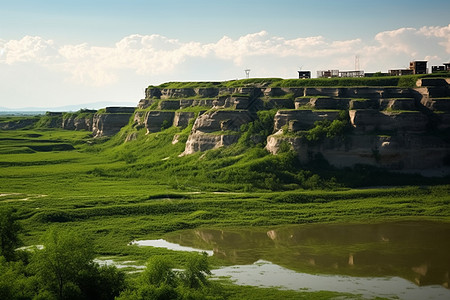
point(391, 127)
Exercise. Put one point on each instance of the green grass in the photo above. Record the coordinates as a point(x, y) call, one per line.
point(117, 192)
point(104, 193)
point(408, 81)
point(247, 292)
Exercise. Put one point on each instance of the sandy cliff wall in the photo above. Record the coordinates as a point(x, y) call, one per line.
point(396, 128)
point(111, 120)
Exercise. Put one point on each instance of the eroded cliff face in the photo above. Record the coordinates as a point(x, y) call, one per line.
point(216, 128)
point(400, 129)
point(110, 121)
point(79, 121)
point(396, 128)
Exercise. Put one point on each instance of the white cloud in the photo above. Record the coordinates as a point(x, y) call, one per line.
point(443, 33)
point(156, 55)
point(415, 43)
point(28, 49)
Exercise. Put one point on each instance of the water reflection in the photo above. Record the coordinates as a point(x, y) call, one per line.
point(266, 274)
point(160, 243)
point(417, 252)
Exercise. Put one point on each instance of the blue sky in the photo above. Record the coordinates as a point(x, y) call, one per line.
point(55, 53)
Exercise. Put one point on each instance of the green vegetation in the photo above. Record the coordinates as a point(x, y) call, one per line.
point(120, 191)
point(64, 269)
point(9, 234)
point(383, 81)
point(82, 113)
point(160, 281)
point(324, 129)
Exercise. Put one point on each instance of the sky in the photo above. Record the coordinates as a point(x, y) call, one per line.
point(55, 53)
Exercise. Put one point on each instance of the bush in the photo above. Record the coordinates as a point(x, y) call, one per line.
point(65, 269)
point(159, 281)
point(9, 234)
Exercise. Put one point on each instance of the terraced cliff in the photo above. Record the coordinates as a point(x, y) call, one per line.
point(397, 128)
point(391, 127)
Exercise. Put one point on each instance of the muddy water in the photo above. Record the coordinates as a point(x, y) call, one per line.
point(408, 260)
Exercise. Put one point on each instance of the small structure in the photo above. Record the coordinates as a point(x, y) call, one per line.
point(444, 68)
point(304, 74)
point(337, 73)
point(376, 74)
point(247, 73)
point(400, 72)
point(418, 67)
point(435, 69)
point(351, 73)
point(415, 67)
point(328, 74)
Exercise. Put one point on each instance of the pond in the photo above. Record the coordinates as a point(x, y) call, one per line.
point(408, 260)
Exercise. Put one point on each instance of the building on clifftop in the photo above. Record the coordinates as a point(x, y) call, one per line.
point(304, 74)
point(418, 67)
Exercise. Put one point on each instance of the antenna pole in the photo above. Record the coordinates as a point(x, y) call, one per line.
point(356, 62)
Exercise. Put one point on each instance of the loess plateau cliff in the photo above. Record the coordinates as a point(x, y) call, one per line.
point(389, 127)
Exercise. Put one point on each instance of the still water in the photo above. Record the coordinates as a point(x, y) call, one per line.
point(408, 260)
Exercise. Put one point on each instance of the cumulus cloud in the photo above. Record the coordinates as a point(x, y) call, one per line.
point(415, 42)
point(28, 49)
point(158, 55)
point(442, 33)
point(262, 44)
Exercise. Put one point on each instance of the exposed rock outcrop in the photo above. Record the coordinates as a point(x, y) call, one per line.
point(18, 124)
point(392, 127)
point(393, 152)
point(183, 118)
point(388, 127)
point(82, 120)
point(371, 120)
point(157, 120)
point(202, 142)
point(301, 119)
point(110, 121)
point(216, 129)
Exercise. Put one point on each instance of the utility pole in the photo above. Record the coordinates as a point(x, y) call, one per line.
point(247, 73)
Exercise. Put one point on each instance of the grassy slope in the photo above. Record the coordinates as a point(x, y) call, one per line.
point(101, 190)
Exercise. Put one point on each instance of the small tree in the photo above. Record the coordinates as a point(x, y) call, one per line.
point(197, 269)
point(9, 234)
point(65, 269)
point(158, 272)
point(64, 256)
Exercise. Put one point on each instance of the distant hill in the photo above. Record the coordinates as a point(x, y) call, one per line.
point(74, 107)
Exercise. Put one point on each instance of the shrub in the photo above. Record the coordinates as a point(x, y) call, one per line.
point(9, 234)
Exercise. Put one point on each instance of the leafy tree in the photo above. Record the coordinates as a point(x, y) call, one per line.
point(9, 234)
point(101, 282)
point(197, 269)
point(58, 264)
point(159, 272)
point(13, 282)
point(65, 268)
